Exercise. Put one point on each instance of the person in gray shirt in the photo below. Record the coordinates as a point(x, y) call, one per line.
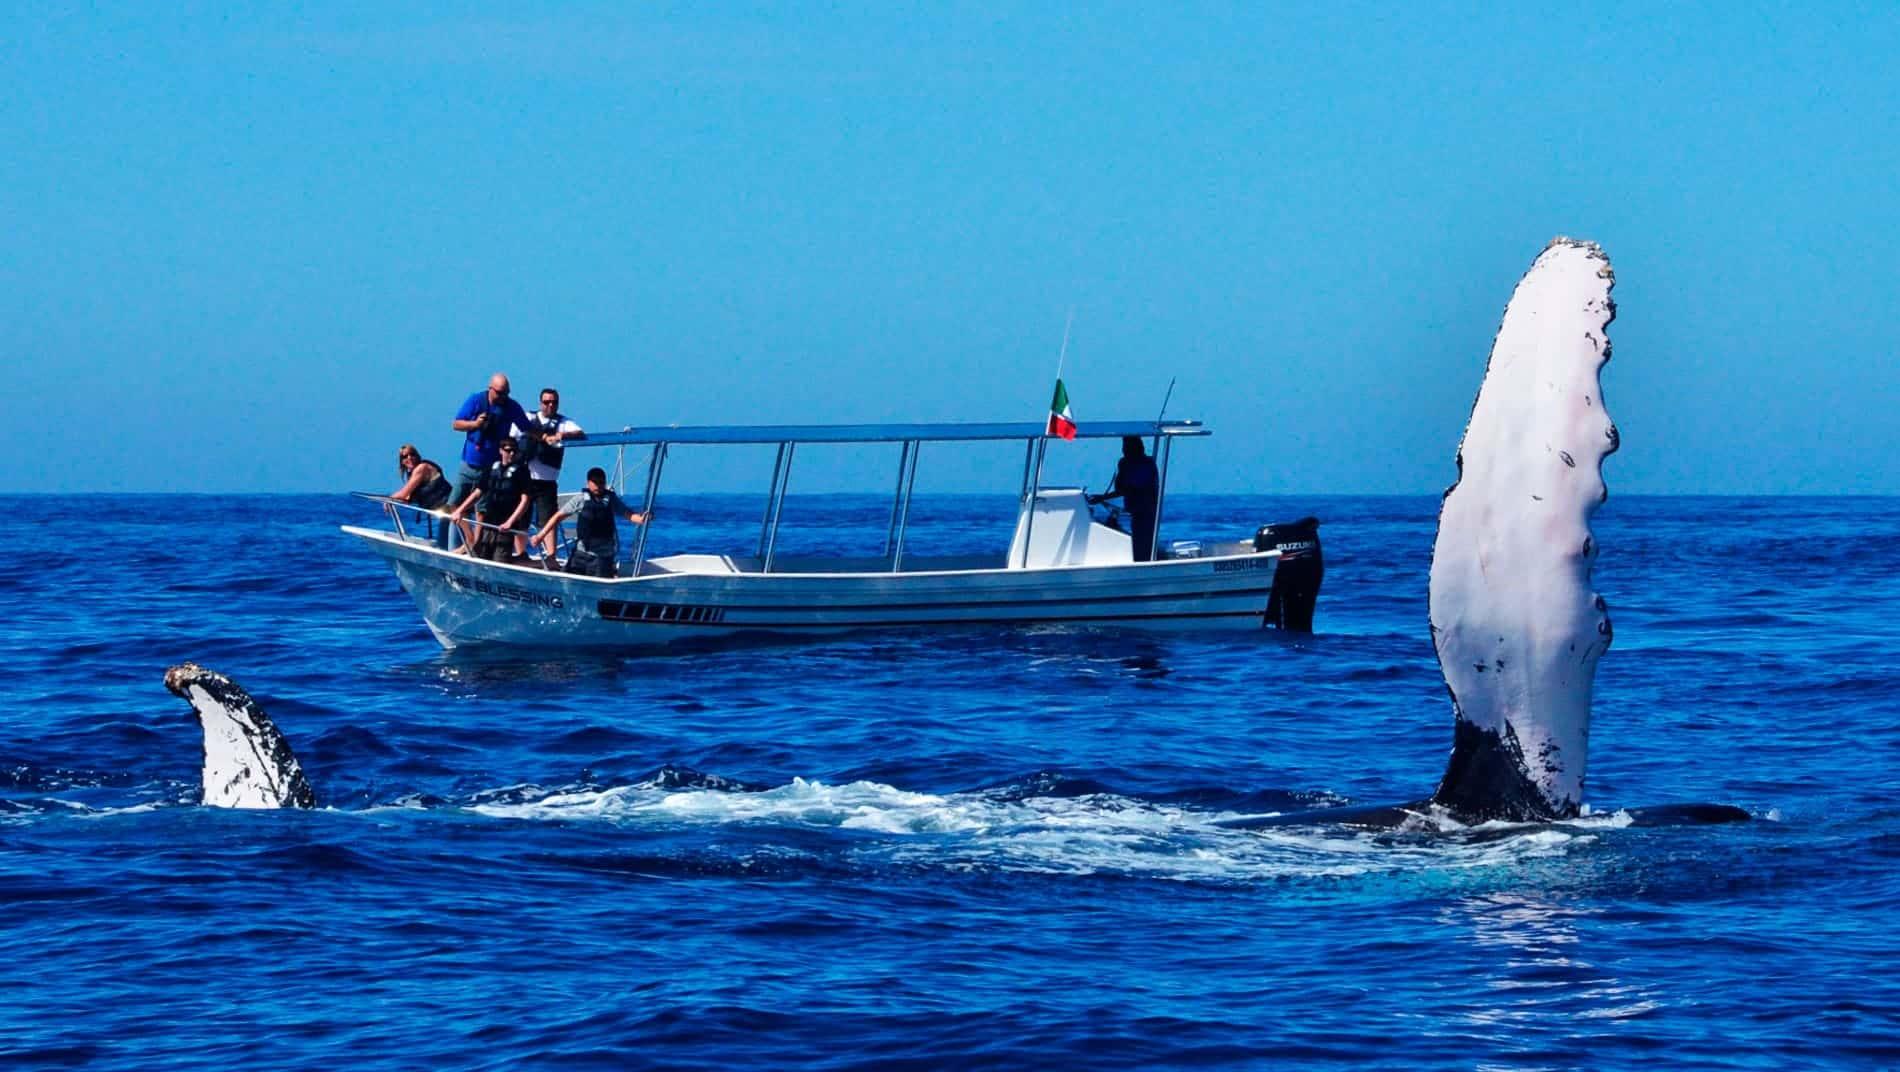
point(597, 539)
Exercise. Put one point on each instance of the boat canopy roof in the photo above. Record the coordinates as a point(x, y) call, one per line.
point(877, 433)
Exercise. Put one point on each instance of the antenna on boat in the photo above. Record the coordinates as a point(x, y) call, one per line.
point(1063, 355)
point(1155, 448)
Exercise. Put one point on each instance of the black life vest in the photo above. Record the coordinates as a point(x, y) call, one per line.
point(539, 426)
point(594, 525)
point(435, 491)
point(503, 486)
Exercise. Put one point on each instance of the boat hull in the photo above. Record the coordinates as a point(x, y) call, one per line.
point(469, 602)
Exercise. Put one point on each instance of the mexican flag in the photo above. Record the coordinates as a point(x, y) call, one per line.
point(1060, 422)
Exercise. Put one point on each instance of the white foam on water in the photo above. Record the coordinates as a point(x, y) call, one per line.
point(852, 806)
point(1590, 820)
point(1092, 834)
point(75, 809)
point(87, 812)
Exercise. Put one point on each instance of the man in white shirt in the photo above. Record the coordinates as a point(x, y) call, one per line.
point(548, 428)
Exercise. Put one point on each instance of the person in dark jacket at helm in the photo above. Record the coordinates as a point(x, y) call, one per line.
point(1138, 485)
point(596, 537)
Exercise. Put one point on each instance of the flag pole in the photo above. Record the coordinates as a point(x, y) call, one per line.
point(1063, 355)
point(1042, 445)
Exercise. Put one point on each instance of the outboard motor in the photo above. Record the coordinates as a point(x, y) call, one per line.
point(1296, 580)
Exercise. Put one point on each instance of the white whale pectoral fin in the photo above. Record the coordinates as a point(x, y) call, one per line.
point(1517, 628)
point(241, 739)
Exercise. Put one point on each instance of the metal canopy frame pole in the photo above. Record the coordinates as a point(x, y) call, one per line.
point(966, 432)
point(897, 498)
point(911, 451)
point(778, 506)
point(771, 497)
point(1035, 490)
point(1161, 495)
point(654, 465)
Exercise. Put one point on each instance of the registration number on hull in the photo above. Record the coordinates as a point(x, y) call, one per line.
point(1238, 564)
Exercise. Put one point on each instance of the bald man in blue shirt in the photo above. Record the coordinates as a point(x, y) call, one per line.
point(486, 416)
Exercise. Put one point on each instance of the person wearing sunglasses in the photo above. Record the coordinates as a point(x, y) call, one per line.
point(503, 491)
point(486, 418)
point(548, 429)
point(423, 487)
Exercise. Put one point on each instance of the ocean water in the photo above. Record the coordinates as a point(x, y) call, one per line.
point(966, 849)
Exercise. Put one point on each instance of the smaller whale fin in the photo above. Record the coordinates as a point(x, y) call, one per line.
point(247, 762)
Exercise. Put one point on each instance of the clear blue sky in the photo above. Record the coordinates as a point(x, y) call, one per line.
point(257, 247)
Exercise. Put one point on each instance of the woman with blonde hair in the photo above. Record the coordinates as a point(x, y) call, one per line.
point(424, 486)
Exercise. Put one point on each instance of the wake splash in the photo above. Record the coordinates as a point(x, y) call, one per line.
point(1093, 833)
point(1041, 824)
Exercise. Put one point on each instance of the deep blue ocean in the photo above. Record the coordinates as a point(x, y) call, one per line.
point(937, 850)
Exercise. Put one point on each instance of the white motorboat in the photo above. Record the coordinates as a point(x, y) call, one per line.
point(1062, 565)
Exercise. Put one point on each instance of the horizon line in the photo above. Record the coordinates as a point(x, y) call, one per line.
point(41, 493)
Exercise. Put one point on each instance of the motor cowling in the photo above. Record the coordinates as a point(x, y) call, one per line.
point(1297, 578)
